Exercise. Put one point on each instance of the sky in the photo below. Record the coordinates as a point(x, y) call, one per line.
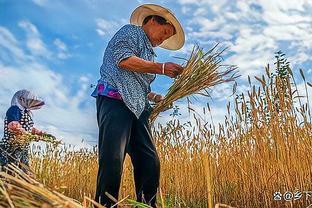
point(55, 49)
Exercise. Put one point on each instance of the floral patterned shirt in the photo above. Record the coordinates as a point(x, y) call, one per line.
point(131, 87)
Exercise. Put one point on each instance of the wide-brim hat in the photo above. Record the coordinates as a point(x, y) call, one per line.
point(176, 41)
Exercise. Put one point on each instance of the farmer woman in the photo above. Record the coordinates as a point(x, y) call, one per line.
point(122, 100)
point(18, 121)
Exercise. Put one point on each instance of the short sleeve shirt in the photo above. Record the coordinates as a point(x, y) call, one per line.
point(133, 87)
point(13, 114)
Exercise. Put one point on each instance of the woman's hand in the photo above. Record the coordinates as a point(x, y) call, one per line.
point(16, 128)
point(154, 97)
point(171, 69)
point(37, 132)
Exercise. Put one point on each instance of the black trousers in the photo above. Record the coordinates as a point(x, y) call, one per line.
point(120, 132)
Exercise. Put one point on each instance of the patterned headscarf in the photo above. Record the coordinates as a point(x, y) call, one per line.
point(26, 100)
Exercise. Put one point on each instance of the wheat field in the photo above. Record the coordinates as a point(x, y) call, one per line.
point(258, 157)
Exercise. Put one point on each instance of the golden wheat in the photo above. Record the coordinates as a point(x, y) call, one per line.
point(262, 147)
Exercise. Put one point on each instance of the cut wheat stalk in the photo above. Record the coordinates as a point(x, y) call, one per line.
point(26, 138)
point(200, 73)
point(18, 192)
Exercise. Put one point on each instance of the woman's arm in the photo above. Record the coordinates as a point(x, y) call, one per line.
point(15, 127)
point(137, 64)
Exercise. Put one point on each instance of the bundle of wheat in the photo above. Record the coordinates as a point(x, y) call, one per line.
point(26, 138)
point(20, 190)
point(200, 73)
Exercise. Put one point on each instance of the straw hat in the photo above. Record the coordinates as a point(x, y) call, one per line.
point(176, 41)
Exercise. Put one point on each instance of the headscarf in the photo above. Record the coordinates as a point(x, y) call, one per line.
point(25, 100)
